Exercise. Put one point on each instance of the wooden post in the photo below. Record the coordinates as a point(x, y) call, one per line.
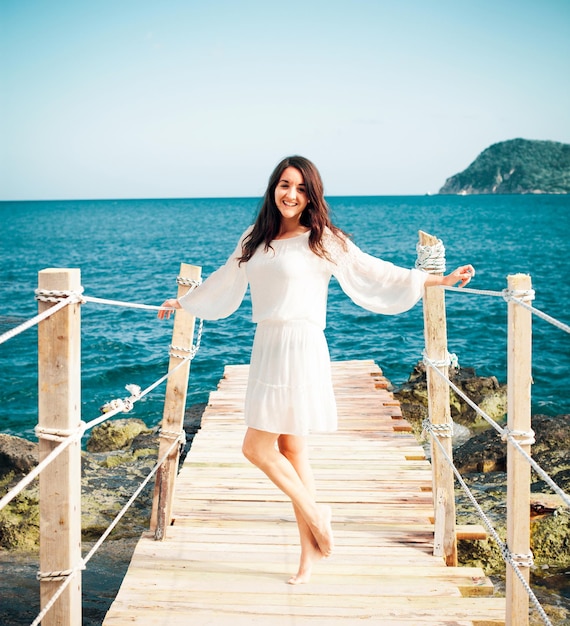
point(435, 331)
point(174, 406)
point(519, 379)
point(59, 409)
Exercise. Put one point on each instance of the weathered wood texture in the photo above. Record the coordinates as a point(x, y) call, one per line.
point(174, 404)
point(233, 543)
point(59, 411)
point(518, 468)
point(435, 334)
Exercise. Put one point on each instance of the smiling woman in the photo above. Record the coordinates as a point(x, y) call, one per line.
point(291, 200)
point(288, 258)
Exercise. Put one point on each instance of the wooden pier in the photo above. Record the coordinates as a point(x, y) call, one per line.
point(233, 542)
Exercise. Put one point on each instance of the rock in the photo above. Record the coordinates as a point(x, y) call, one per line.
point(20, 522)
point(550, 539)
point(146, 440)
point(126, 452)
point(484, 391)
point(115, 434)
point(17, 455)
point(486, 452)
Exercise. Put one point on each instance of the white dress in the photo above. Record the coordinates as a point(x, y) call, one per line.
point(289, 389)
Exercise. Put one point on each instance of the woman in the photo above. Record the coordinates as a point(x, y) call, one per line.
point(288, 257)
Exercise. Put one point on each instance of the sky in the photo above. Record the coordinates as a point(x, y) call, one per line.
point(188, 98)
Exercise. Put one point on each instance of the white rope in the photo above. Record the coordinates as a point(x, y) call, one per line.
point(188, 282)
point(450, 361)
point(519, 295)
point(441, 430)
point(68, 575)
point(127, 404)
point(514, 560)
point(75, 436)
point(513, 296)
point(119, 406)
point(54, 295)
point(505, 433)
point(180, 440)
point(431, 258)
point(61, 302)
point(55, 576)
point(130, 305)
point(58, 434)
point(13, 332)
point(470, 290)
point(178, 352)
point(523, 437)
point(544, 316)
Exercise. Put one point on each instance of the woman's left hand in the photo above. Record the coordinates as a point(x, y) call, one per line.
point(461, 275)
point(167, 308)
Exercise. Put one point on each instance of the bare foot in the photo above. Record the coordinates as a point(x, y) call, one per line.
point(323, 531)
point(308, 557)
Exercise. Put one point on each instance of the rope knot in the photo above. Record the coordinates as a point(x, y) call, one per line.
point(450, 361)
point(188, 354)
point(59, 434)
point(523, 295)
point(431, 259)
point(440, 430)
point(55, 296)
point(123, 404)
point(517, 560)
point(57, 576)
point(523, 437)
point(174, 436)
point(188, 282)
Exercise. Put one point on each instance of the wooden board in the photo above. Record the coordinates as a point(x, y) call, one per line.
point(234, 543)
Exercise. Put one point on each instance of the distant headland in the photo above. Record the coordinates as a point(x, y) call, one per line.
point(517, 166)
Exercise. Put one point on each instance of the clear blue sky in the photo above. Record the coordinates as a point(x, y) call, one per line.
point(187, 98)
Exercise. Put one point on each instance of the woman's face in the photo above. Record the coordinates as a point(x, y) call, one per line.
point(291, 195)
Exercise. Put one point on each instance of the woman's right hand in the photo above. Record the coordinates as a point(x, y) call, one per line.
point(166, 311)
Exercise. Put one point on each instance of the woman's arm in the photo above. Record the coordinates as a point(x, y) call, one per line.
point(461, 275)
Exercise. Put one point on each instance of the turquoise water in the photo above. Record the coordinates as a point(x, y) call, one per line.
point(132, 249)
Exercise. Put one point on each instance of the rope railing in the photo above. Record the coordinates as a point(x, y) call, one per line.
point(517, 434)
point(114, 407)
point(506, 435)
point(512, 559)
point(62, 298)
point(65, 437)
point(62, 303)
point(68, 575)
point(68, 438)
point(513, 297)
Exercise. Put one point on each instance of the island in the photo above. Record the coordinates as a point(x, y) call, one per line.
point(517, 166)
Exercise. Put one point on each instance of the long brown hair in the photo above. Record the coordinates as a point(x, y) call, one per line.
point(315, 216)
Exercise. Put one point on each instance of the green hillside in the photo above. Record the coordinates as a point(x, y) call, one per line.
point(515, 166)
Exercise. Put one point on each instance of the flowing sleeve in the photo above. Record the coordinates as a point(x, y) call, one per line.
point(222, 292)
point(376, 285)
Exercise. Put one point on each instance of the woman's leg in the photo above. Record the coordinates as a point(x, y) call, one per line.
point(295, 449)
point(259, 447)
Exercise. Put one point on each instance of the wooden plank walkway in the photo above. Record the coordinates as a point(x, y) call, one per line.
point(234, 542)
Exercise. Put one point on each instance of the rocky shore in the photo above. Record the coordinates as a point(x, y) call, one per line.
point(480, 456)
point(118, 456)
point(120, 453)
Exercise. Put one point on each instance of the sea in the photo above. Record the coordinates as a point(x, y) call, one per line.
point(131, 251)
